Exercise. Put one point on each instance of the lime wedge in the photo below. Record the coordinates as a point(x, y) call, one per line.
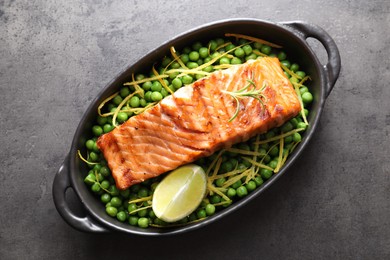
point(179, 193)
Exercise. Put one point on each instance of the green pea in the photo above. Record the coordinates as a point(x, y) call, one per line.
point(105, 184)
point(288, 139)
point(90, 179)
point(247, 49)
point(294, 80)
point(286, 127)
point(242, 191)
point(143, 222)
point(258, 180)
point(116, 202)
point(201, 214)
point(265, 173)
point(186, 79)
point(101, 120)
point(251, 57)
point(273, 164)
point(152, 215)
point(257, 45)
point(160, 222)
point(147, 85)
point(124, 92)
point(156, 86)
point(194, 55)
point(105, 171)
point(307, 98)
point(97, 130)
point(107, 128)
point(192, 216)
point(133, 220)
point(294, 122)
point(112, 211)
point(105, 198)
point(294, 67)
point(93, 156)
point(176, 83)
point(231, 192)
point(208, 68)
point(213, 45)
point(297, 137)
point(184, 58)
point(236, 184)
point(164, 92)
point(122, 117)
point(214, 199)
point(303, 89)
point(134, 101)
point(274, 151)
point(301, 125)
point(121, 216)
point(224, 60)
point(267, 159)
point(210, 209)
point(203, 52)
point(95, 148)
point(113, 190)
point(239, 52)
point(266, 49)
point(142, 213)
point(286, 63)
point(250, 186)
point(143, 192)
point(219, 182)
point(139, 77)
point(235, 61)
point(306, 111)
point(300, 74)
point(166, 60)
point(117, 100)
point(230, 46)
point(282, 55)
point(196, 46)
point(156, 96)
point(192, 65)
point(143, 102)
point(90, 144)
point(227, 166)
point(131, 208)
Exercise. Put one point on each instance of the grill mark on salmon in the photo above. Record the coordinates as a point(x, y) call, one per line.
point(193, 122)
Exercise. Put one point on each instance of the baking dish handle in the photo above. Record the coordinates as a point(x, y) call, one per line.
point(60, 185)
point(333, 67)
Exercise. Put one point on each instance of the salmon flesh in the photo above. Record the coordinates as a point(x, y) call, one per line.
point(194, 121)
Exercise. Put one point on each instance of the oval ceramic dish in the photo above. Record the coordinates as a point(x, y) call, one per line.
point(291, 35)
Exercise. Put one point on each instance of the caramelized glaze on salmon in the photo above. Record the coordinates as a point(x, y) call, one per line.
point(194, 122)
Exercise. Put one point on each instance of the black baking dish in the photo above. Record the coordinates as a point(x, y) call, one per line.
point(291, 35)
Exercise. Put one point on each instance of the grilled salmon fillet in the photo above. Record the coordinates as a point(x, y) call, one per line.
point(194, 121)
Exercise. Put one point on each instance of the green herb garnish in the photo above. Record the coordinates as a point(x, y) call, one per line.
point(246, 92)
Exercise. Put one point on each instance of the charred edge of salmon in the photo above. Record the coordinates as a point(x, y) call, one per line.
point(271, 115)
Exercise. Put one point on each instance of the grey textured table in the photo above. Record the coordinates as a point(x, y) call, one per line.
point(57, 55)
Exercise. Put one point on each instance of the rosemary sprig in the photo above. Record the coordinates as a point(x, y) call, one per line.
point(246, 92)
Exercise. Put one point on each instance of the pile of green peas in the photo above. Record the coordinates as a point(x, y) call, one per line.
point(118, 203)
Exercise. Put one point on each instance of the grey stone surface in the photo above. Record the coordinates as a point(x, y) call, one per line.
point(57, 55)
